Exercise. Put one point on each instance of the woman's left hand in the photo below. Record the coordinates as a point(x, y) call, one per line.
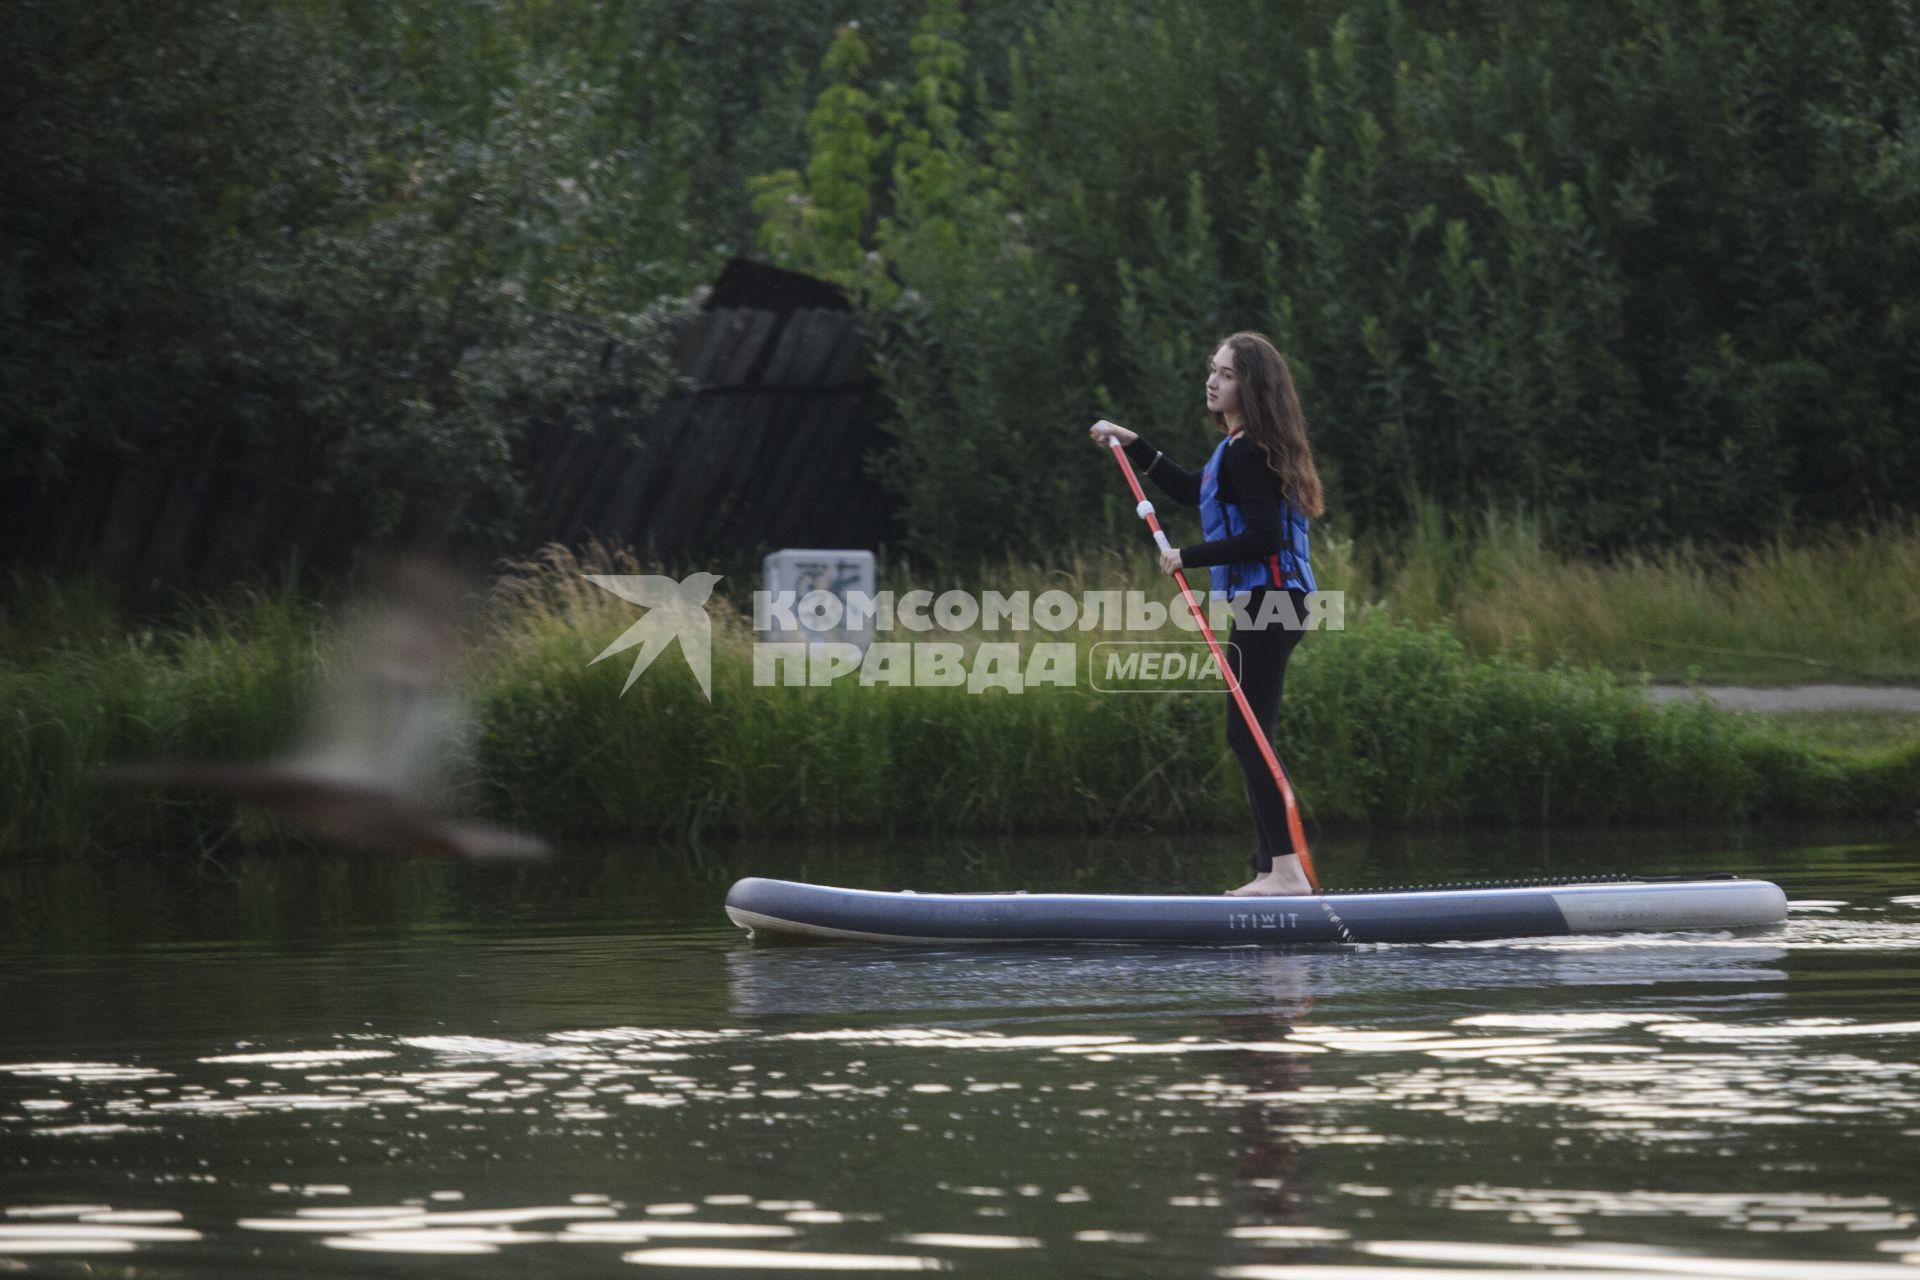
point(1170, 560)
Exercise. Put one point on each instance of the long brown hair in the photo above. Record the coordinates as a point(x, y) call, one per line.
point(1274, 420)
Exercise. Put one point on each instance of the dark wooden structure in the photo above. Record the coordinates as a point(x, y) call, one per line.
point(765, 444)
point(765, 449)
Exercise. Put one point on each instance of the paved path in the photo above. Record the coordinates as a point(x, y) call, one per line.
point(1799, 697)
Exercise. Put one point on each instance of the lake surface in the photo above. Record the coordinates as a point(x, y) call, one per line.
point(321, 1066)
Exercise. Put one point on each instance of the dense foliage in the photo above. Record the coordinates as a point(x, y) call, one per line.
point(391, 232)
point(1640, 269)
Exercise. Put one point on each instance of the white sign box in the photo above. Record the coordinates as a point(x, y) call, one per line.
point(837, 573)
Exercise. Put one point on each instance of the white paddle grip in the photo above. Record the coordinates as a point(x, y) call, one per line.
point(1160, 540)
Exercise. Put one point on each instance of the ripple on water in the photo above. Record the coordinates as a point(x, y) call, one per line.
point(1373, 1050)
point(1631, 1262)
point(87, 1229)
point(1735, 1210)
point(1665, 1073)
point(80, 1072)
point(415, 1229)
point(294, 1059)
point(762, 1260)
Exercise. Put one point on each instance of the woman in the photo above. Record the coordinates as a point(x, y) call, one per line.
point(1256, 494)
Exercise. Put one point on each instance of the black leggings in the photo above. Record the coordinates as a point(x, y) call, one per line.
point(1259, 660)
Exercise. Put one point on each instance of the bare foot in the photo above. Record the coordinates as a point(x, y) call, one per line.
point(1284, 879)
point(1276, 883)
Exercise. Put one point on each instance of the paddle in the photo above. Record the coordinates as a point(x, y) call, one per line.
point(1144, 509)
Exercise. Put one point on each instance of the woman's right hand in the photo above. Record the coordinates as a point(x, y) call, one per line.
point(1103, 431)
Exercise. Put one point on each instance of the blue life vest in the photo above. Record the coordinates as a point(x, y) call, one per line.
point(1222, 519)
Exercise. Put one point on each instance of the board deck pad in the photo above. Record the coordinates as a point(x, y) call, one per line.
point(788, 909)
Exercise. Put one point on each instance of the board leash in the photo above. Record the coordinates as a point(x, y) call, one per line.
point(1533, 882)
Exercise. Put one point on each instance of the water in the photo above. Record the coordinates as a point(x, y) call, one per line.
point(313, 1067)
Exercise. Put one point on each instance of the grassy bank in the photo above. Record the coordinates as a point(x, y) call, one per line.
point(1840, 606)
point(80, 688)
point(1845, 730)
point(1831, 606)
point(1387, 722)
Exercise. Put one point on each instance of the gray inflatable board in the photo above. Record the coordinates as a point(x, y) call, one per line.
point(786, 909)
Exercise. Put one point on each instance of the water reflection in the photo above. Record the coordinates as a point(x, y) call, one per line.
point(592, 1102)
point(1763, 1211)
point(759, 1260)
point(853, 978)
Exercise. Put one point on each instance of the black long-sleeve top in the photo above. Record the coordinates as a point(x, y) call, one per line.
point(1245, 480)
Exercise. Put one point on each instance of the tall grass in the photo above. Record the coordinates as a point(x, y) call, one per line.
point(1391, 721)
point(1842, 605)
point(223, 680)
point(661, 759)
point(1385, 722)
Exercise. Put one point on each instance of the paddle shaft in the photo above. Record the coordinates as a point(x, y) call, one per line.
point(1144, 509)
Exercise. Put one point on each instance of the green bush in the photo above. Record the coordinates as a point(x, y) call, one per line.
point(1636, 274)
point(382, 239)
point(1384, 723)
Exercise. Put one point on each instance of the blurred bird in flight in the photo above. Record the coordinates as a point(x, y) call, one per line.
point(369, 762)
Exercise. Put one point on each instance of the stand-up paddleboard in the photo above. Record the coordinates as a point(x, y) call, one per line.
point(786, 909)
